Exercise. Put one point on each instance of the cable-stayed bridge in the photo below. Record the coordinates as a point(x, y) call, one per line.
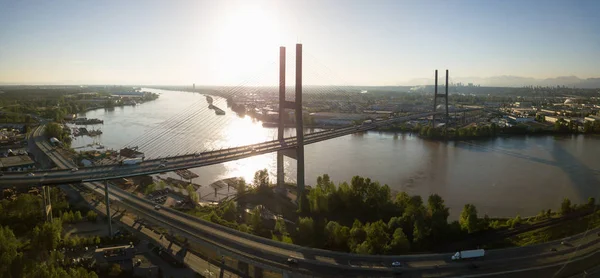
point(185, 157)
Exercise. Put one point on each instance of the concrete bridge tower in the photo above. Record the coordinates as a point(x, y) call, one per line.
point(296, 105)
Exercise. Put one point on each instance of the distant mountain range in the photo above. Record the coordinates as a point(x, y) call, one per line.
point(516, 81)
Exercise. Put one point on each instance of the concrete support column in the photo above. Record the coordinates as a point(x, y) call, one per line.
point(447, 116)
point(47, 202)
point(281, 125)
point(299, 125)
point(258, 272)
point(280, 169)
point(107, 200)
point(435, 95)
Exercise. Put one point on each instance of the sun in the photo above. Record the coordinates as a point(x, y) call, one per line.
point(248, 38)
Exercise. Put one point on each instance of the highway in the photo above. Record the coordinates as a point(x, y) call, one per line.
point(272, 255)
point(153, 166)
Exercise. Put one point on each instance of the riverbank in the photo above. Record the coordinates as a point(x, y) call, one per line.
point(478, 133)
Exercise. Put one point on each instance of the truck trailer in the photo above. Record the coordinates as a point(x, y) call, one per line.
point(469, 254)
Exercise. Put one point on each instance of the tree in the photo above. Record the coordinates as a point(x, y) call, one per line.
point(591, 202)
point(230, 211)
point(241, 186)
point(439, 216)
point(54, 130)
point(357, 235)
point(115, 270)
point(68, 217)
point(244, 228)
point(336, 237)
point(565, 206)
point(8, 250)
point(377, 236)
point(77, 216)
point(399, 243)
point(150, 188)
point(468, 218)
point(306, 231)
point(162, 184)
point(261, 179)
point(394, 223)
point(47, 235)
point(280, 227)
point(192, 194)
point(91, 216)
point(364, 248)
point(257, 223)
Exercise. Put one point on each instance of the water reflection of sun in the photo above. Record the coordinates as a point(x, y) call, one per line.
point(245, 132)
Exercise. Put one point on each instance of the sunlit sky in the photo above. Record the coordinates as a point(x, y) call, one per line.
point(345, 42)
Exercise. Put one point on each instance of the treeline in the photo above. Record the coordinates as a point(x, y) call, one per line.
point(492, 130)
point(33, 253)
point(363, 217)
point(32, 247)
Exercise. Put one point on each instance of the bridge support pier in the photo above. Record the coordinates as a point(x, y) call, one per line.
point(47, 204)
point(258, 272)
point(435, 103)
point(280, 170)
point(281, 121)
point(299, 127)
point(107, 200)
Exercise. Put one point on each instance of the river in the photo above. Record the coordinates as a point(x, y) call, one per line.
point(502, 177)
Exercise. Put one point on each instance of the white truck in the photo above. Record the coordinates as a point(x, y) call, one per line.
point(131, 161)
point(469, 254)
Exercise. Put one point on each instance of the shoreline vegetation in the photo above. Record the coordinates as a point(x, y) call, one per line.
point(364, 217)
point(471, 132)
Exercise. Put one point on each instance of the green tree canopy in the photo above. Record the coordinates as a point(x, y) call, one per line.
point(468, 218)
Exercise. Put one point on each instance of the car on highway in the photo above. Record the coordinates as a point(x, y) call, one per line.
point(292, 261)
point(30, 174)
point(162, 165)
point(396, 264)
point(157, 207)
point(74, 169)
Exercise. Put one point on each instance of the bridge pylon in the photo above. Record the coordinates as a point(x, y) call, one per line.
point(47, 204)
point(435, 103)
point(296, 105)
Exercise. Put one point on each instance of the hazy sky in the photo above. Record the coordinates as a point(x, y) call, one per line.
point(345, 42)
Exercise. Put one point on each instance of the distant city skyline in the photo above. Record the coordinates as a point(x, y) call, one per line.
point(381, 43)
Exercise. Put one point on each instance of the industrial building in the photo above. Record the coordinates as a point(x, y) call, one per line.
point(16, 163)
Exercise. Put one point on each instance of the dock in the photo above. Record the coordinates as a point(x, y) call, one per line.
point(86, 121)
